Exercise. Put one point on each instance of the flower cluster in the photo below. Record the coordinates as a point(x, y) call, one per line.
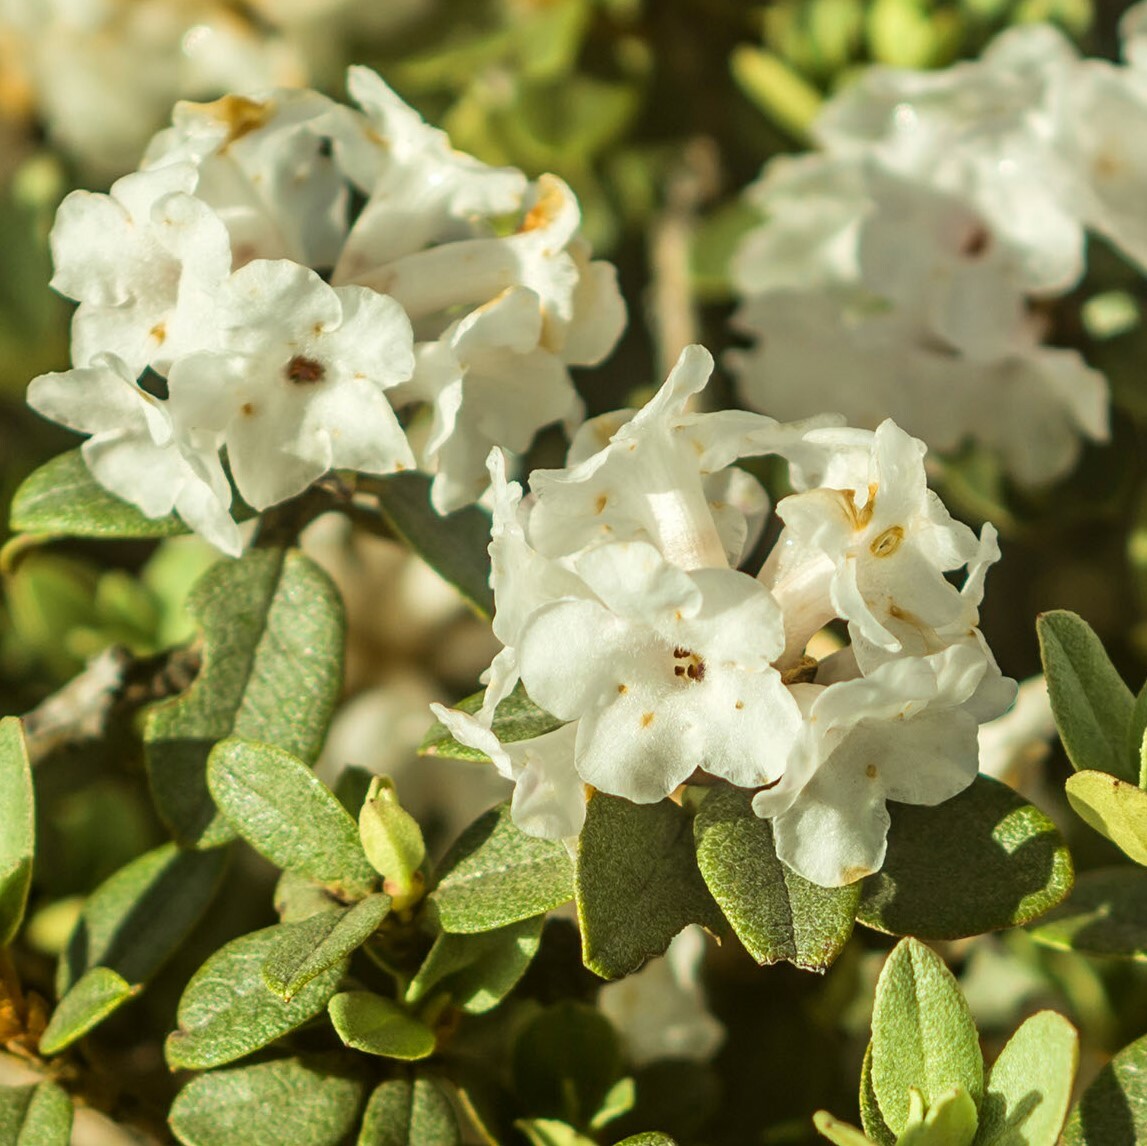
point(623, 612)
point(229, 274)
point(905, 267)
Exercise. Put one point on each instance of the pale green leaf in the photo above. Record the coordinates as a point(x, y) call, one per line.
point(286, 813)
point(1106, 914)
point(307, 948)
point(775, 913)
point(950, 1121)
point(923, 1035)
point(1093, 707)
point(495, 875)
point(984, 860)
point(409, 1112)
point(96, 995)
point(17, 828)
point(551, 1132)
point(368, 1022)
point(273, 635)
point(227, 1010)
point(837, 1132)
point(1113, 1109)
point(391, 839)
point(289, 1101)
point(516, 718)
point(1114, 808)
point(870, 1116)
point(649, 1138)
point(1028, 1089)
point(35, 1115)
point(638, 883)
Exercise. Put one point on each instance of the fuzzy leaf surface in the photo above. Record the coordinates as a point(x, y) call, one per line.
point(96, 995)
point(36, 1115)
point(368, 1022)
point(407, 1112)
point(982, 861)
point(17, 828)
point(1113, 1109)
point(774, 912)
point(1114, 808)
point(273, 634)
point(1106, 914)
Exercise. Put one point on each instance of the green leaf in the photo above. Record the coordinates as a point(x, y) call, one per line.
point(478, 970)
point(551, 1132)
point(1113, 1109)
point(1093, 707)
point(1137, 737)
point(289, 1101)
point(837, 1132)
point(950, 1121)
point(286, 813)
point(774, 912)
point(138, 918)
point(565, 1061)
point(17, 828)
point(638, 883)
point(516, 718)
point(870, 1116)
point(392, 841)
point(649, 1138)
point(1106, 914)
point(984, 860)
point(1029, 1086)
point(1112, 807)
point(298, 898)
point(308, 948)
point(63, 498)
point(227, 1011)
point(453, 546)
point(272, 670)
point(495, 875)
point(368, 1022)
point(36, 1115)
point(923, 1035)
point(97, 994)
point(405, 1112)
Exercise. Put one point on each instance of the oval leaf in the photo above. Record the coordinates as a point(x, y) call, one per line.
point(17, 828)
point(308, 948)
point(923, 1035)
point(370, 1023)
point(291, 1102)
point(227, 1010)
point(516, 718)
point(638, 883)
point(1106, 914)
point(1029, 1086)
point(405, 1112)
point(100, 992)
point(273, 634)
point(984, 860)
point(870, 1116)
point(495, 875)
point(37, 1115)
point(286, 813)
point(1092, 706)
point(63, 498)
point(1113, 1109)
point(774, 912)
point(1114, 808)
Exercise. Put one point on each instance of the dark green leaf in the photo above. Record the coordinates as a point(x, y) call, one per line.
point(272, 670)
point(63, 498)
point(495, 875)
point(1093, 707)
point(95, 996)
point(36, 1115)
point(134, 921)
point(565, 1061)
point(405, 1112)
point(308, 948)
point(516, 718)
point(290, 1102)
point(1106, 914)
point(453, 546)
point(1114, 808)
point(775, 913)
point(649, 1138)
point(17, 828)
point(638, 883)
point(286, 813)
point(368, 1022)
point(923, 1035)
point(1135, 734)
point(981, 861)
point(1113, 1109)
point(298, 898)
point(1029, 1086)
point(227, 1011)
point(478, 970)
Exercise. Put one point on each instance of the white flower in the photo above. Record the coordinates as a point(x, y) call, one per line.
point(137, 451)
point(660, 1011)
point(298, 386)
point(144, 262)
point(901, 733)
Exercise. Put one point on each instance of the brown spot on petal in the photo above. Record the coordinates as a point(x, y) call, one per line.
point(646, 719)
point(852, 874)
point(545, 210)
point(159, 332)
point(976, 243)
point(247, 409)
point(622, 689)
point(601, 503)
point(739, 705)
point(803, 672)
point(239, 114)
point(303, 371)
point(870, 771)
point(888, 542)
